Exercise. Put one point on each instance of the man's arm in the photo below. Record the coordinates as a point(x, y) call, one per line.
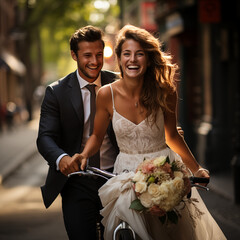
point(49, 129)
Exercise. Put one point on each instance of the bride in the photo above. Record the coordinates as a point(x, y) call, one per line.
point(142, 108)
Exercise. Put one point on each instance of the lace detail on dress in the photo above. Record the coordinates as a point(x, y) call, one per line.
point(138, 138)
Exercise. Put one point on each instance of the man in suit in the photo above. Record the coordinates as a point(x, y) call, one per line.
point(64, 129)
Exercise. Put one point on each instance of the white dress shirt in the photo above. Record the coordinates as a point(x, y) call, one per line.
point(107, 152)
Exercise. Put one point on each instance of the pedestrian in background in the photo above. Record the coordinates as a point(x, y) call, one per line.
point(65, 126)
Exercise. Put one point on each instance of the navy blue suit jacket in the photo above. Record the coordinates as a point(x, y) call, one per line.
point(61, 128)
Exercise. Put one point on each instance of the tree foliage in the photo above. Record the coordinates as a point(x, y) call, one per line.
point(55, 21)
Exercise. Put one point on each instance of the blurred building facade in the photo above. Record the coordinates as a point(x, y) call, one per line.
point(12, 69)
point(203, 38)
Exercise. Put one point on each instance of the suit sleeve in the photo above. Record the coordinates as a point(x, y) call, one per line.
point(48, 140)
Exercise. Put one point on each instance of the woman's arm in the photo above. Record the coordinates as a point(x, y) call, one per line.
point(101, 122)
point(176, 142)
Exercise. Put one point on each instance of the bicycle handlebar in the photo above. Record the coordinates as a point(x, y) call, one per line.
point(198, 179)
point(96, 172)
point(194, 180)
point(93, 172)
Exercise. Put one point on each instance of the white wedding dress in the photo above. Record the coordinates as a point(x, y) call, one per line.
point(136, 143)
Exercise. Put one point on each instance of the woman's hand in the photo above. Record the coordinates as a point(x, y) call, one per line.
point(180, 131)
point(81, 160)
point(203, 173)
point(69, 164)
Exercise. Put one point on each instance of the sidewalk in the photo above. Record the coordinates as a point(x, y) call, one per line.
point(19, 145)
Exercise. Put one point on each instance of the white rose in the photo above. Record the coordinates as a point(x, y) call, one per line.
point(159, 161)
point(178, 184)
point(154, 190)
point(158, 200)
point(170, 186)
point(178, 174)
point(140, 187)
point(163, 190)
point(146, 200)
point(139, 176)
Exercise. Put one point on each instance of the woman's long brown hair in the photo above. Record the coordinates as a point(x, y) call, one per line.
point(159, 79)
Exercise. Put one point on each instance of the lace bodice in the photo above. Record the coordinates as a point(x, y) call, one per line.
point(138, 138)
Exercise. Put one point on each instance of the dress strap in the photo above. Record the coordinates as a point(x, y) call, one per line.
point(112, 96)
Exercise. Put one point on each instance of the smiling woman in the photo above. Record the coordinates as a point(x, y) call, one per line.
point(142, 108)
point(133, 60)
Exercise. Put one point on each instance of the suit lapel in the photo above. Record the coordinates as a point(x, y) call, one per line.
point(76, 97)
point(107, 77)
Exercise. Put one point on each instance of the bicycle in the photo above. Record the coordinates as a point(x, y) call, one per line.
point(124, 231)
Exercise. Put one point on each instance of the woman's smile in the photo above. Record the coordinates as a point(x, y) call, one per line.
point(133, 60)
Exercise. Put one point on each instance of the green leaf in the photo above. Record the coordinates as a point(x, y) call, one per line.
point(174, 167)
point(151, 179)
point(136, 205)
point(167, 159)
point(163, 219)
point(163, 162)
point(172, 216)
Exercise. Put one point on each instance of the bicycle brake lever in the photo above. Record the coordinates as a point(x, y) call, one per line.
point(200, 186)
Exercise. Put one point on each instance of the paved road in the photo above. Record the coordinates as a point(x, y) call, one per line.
point(22, 214)
point(226, 214)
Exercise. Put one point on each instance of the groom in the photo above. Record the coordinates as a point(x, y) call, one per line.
point(64, 129)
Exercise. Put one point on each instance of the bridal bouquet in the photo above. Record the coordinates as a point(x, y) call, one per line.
point(160, 186)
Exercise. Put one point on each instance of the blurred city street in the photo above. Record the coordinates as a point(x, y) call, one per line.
point(24, 217)
point(22, 213)
point(202, 38)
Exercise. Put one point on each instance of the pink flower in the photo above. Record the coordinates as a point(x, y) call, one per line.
point(160, 185)
point(148, 168)
point(155, 210)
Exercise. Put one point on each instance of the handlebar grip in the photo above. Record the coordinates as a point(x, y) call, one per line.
point(199, 180)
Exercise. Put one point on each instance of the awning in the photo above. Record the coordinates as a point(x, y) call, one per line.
point(13, 63)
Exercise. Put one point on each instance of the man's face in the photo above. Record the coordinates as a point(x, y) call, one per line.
point(89, 59)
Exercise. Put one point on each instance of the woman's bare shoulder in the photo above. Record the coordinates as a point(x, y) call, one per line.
point(105, 90)
point(104, 94)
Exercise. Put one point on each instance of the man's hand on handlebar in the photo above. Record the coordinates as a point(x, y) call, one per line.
point(72, 164)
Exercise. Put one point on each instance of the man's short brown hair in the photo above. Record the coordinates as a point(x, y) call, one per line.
point(88, 34)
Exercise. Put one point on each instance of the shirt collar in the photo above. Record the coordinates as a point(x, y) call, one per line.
point(83, 82)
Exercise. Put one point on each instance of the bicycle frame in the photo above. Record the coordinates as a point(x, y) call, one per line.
point(123, 225)
point(96, 172)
